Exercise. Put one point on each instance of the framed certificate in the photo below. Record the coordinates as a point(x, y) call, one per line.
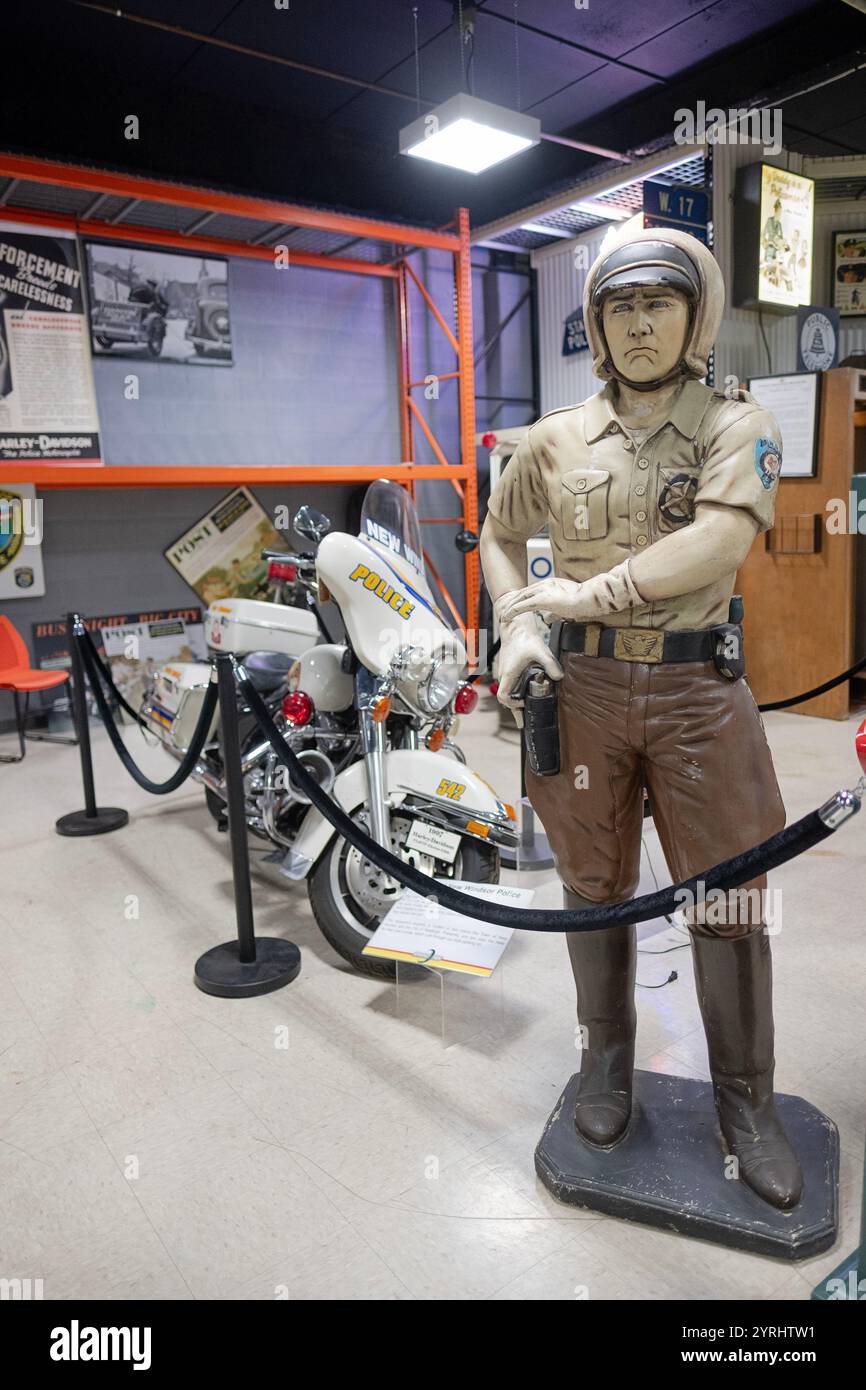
point(793, 398)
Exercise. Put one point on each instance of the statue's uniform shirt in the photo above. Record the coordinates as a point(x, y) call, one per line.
point(692, 737)
point(606, 492)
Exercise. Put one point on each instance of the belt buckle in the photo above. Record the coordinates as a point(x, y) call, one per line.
point(638, 644)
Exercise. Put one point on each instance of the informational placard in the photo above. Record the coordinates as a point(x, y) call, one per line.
point(159, 305)
point(793, 399)
point(849, 273)
point(420, 931)
point(220, 556)
point(47, 400)
point(21, 572)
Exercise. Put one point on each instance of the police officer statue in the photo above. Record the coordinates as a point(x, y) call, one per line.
point(653, 492)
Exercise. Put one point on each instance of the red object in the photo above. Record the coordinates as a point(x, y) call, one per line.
point(494, 687)
point(860, 744)
point(281, 569)
point(17, 675)
point(488, 439)
point(465, 700)
point(298, 708)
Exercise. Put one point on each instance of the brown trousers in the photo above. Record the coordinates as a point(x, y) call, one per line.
point(696, 741)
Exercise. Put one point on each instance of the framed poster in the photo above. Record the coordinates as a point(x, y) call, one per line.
point(774, 214)
point(793, 398)
point(849, 273)
point(220, 556)
point(160, 306)
point(47, 400)
point(133, 643)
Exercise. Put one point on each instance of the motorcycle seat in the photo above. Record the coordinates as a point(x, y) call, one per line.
point(267, 670)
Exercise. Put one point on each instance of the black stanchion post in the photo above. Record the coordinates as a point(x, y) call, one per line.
point(93, 820)
point(249, 965)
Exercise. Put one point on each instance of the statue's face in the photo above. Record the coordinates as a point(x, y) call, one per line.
point(645, 330)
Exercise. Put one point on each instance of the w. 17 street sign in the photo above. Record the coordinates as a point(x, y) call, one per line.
point(674, 206)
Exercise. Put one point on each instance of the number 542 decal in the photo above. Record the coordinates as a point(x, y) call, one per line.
point(453, 790)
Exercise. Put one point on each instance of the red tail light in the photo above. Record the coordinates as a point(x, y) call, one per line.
point(465, 700)
point(280, 569)
point(298, 708)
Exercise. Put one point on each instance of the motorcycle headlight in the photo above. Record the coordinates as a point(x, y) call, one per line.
point(439, 688)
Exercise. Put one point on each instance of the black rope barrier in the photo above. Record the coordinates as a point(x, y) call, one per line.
point(818, 690)
point(105, 669)
point(196, 744)
point(732, 873)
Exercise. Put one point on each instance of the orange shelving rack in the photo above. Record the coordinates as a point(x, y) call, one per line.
point(123, 207)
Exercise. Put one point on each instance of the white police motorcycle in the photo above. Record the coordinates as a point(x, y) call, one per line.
point(371, 716)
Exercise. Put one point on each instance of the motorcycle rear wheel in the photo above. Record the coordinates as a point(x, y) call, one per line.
point(344, 887)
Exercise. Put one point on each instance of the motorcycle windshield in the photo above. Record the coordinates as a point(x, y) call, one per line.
point(388, 517)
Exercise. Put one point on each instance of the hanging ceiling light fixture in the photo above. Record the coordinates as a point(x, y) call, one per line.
point(465, 132)
point(469, 134)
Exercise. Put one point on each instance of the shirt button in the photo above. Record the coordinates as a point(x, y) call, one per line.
point(611, 429)
point(581, 482)
point(643, 463)
point(640, 540)
point(640, 490)
point(627, 444)
point(640, 516)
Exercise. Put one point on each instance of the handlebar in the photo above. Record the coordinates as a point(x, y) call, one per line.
point(303, 561)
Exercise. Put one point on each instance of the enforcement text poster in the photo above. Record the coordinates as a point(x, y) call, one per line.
point(47, 400)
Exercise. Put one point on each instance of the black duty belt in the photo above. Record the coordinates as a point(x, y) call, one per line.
point(638, 643)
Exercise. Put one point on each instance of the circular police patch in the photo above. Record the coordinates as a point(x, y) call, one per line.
point(677, 499)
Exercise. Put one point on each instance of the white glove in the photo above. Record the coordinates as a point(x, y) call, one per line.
point(611, 592)
point(522, 646)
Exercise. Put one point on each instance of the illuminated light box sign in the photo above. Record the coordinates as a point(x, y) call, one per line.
point(774, 214)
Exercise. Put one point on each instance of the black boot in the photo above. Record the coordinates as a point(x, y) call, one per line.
point(603, 963)
point(734, 978)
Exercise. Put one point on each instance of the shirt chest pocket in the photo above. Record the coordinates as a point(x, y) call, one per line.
point(584, 504)
point(676, 502)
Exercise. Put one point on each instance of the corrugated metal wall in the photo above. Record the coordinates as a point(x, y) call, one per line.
point(564, 380)
point(740, 349)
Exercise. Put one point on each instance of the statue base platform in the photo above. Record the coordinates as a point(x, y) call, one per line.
point(669, 1170)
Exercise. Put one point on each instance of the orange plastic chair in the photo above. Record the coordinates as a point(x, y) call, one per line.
point(17, 675)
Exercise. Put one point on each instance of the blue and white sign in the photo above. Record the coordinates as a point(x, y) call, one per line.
point(817, 338)
point(678, 208)
point(574, 337)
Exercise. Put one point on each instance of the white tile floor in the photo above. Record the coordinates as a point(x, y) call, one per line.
point(158, 1143)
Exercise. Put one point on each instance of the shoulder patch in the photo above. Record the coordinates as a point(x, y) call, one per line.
point(768, 461)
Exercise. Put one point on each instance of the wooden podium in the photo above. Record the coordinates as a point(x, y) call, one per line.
point(799, 580)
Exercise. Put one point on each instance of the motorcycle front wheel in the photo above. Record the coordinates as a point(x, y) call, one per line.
point(349, 894)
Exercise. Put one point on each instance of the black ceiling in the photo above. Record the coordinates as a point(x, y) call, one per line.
point(612, 74)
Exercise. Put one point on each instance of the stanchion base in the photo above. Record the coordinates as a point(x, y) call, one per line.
point(532, 857)
point(221, 971)
point(80, 823)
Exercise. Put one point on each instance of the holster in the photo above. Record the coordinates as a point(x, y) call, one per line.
point(540, 721)
point(729, 658)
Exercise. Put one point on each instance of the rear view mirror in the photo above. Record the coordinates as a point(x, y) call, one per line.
point(311, 524)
